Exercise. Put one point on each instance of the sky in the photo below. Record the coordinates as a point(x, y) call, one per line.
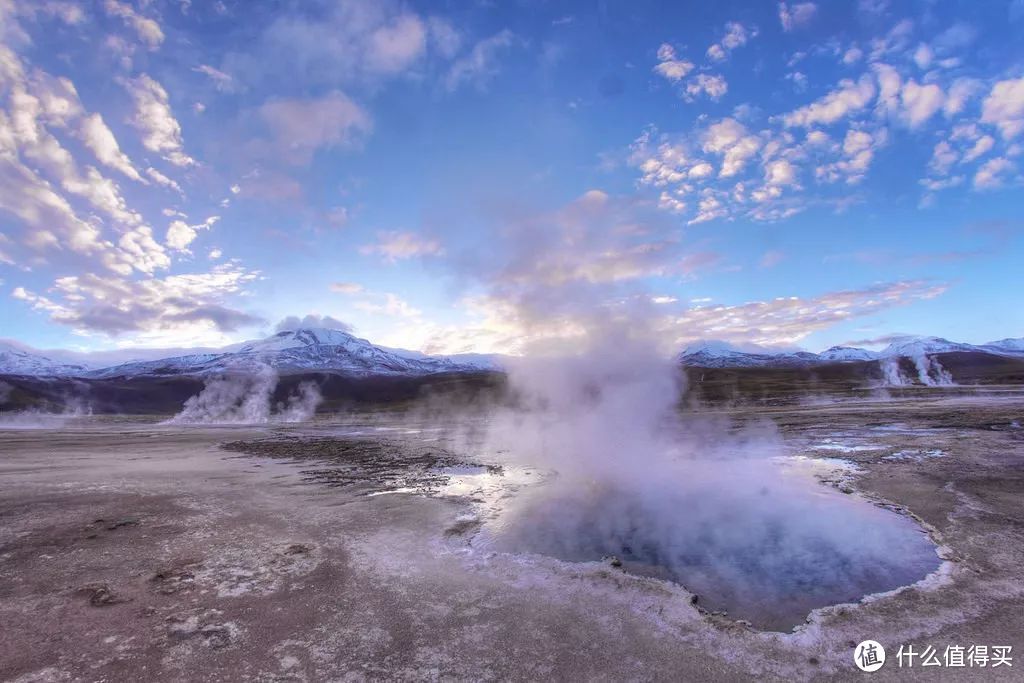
point(480, 176)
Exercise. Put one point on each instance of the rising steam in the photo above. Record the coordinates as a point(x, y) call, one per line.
point(700, 501)
point(34, 418)
point(930, 372)
point(247, 399)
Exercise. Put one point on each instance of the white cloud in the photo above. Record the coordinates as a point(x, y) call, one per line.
point(730, 138)
point(858, 150)
point(851, 97)
point(923, 56)
point(723, 134)
point(396, 45)
point(176, 305)
point(701, 170)
point(852, 56)
point(153, 118)
point(504, 325)
point(101, 192)
point(337, 216)
point(981, 147)
point(147, 29)
point(348, 288)
point(101, 141)
point(934, 185)
point(479, 66)
point(957, 37)
point(716, 53)
point(48, 221)
point(146, 253)
point(780, 173)
point(889, 84)
point(736, 35)
point(389, 304)
point(713, 85)
point(57, 105)
point(799, 80)
point(943, 158)
point(962, 90)
point(396, 246)
point(671, 204)
point(446, 38)
point(341, 44)
point(709, 208)
point(920, 102)
point(897, 40)
point(180, 234)
point(221, 81)
point(1004, 107)
point(795, 15)
point(294, 322)
point(160, 179)
point(787, 320)
point(301, 127)
point(992, 173)
point(669, 66)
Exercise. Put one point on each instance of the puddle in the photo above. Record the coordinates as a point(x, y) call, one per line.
point(915, 455)
point(488, 487)
point(830, 445)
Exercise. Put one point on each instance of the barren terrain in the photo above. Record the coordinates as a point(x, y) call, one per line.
point(133, 551)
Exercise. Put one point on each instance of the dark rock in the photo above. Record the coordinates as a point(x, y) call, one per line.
point(100, 595)
point(174, 579)
point(128, 521)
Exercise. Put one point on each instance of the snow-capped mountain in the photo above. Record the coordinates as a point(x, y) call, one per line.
point(718, 354)
point(331, 350)
point(15, 361)
point(301, 350)
point(1005, 347)
point(914, 347)
point(842, 354)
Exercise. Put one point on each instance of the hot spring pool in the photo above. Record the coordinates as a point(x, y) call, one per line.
point(769, 552)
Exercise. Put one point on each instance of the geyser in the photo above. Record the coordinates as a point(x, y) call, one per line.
point(695, 500)
point(246, 399)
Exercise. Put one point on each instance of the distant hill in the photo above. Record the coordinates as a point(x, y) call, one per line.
point(718, 354)
point(291, 351)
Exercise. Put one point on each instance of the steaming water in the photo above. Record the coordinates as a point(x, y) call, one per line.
point(769, 561)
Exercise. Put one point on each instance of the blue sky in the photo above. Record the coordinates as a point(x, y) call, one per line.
point(477, 176)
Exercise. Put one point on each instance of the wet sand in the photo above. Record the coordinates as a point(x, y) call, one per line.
point(130, 551)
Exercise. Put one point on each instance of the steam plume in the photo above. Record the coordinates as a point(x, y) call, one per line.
point(598, 407)
point(246, 399)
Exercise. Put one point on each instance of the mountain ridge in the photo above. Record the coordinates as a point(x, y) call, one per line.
point(313, 349)
point(308, 349)
point(719, 354)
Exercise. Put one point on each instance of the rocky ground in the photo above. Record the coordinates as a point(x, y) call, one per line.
point(130, 551)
